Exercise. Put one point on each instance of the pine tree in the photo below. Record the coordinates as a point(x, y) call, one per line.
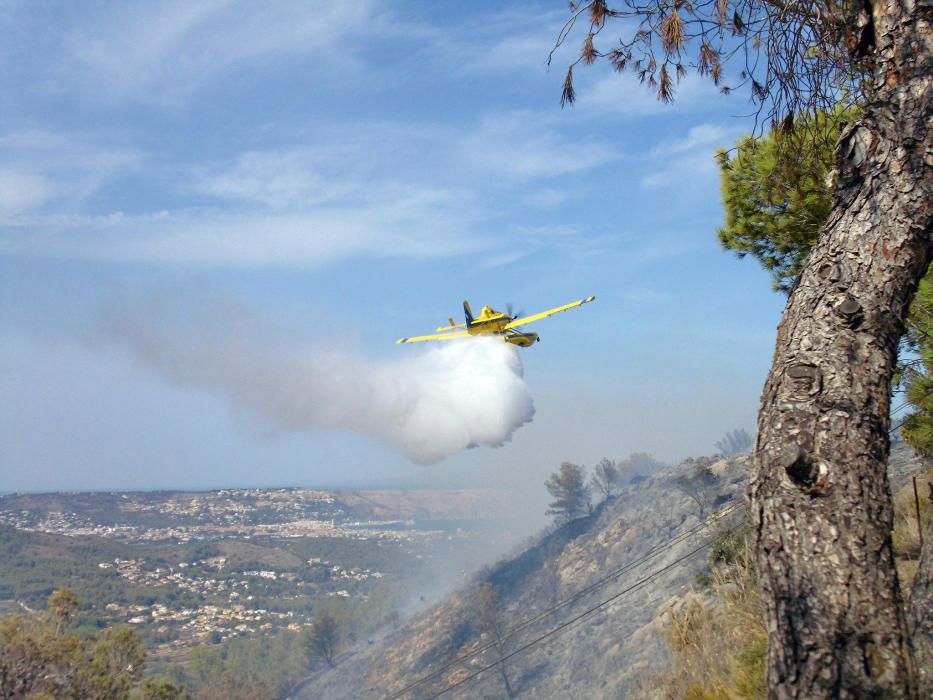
point(323, 637)
point(835, 619)
point(570, 492)
point(777, 195)
point(917, 374)
point(605, 477)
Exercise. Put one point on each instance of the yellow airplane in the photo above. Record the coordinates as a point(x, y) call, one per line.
point(492, 322)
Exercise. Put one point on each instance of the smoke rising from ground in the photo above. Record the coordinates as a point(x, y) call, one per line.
point(428, 404)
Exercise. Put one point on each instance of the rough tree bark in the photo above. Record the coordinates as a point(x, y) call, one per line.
point(819, 491)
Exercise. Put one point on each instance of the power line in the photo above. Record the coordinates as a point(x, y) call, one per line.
point(901, 407)
point(573, 598)
point(564, 625)
point(612, 575)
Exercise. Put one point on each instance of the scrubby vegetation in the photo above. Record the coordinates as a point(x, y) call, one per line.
point(716, 636)
point(906, 533)
point(247, 669)
point(42, 656)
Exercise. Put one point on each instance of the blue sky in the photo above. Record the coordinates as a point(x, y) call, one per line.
point(349, 173)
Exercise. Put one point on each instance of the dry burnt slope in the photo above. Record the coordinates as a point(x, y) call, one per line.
point(597, 657)
point(600, 657)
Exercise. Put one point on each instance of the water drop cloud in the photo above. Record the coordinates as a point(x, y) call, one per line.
point(430, 403)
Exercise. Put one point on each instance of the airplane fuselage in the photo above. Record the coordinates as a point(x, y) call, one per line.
point(492, 322)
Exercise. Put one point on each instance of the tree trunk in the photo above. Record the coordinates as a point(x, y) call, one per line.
point(500, 651)
point(819, 492)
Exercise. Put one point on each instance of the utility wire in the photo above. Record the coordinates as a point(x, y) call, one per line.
point(614, 574)
point(564, 625)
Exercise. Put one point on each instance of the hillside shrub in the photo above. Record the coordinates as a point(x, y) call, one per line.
point(716, 638)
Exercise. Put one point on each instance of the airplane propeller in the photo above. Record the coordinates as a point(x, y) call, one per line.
point(513, 316)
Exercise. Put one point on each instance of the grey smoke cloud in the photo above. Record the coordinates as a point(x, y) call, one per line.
point(430, 403)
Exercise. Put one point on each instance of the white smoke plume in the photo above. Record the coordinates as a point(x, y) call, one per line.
point(430, 403)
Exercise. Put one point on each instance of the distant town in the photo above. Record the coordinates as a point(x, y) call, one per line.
point(188, 569)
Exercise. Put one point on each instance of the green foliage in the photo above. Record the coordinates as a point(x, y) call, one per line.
point(37, 658)
point(717, 641)
point(729, 558)
point(699, 692)
point(777, 196)
point(35, 564)
point(42, 656)
point(113, 664)
point(322, 638)
point(749, 675)
point(160, 689)
point(63, 604)
point(570, 492)
point(916, 377)
point(730, 546)
point(248, 668)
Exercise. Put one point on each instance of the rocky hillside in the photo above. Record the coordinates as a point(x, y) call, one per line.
point(651, 526)
point(578, 613)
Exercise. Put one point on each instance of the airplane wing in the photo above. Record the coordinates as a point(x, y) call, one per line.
point(550, 312)
point(453, 327)
point(438, 336)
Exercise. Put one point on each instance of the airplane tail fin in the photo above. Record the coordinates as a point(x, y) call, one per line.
point(468, 314)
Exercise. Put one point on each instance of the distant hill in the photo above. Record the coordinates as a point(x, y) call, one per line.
point(194, 570)
point(461, 504)
point(146, 508)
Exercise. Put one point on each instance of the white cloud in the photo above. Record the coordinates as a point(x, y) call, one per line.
point(365, 189)
point(279, 179)
point(410, 223)
point(361, 161)
point(689, 161)
point(623, 94)
point(506, 41)
point(163, 52)
point(700, 136)
point(525, 146)
point(21, 191)
point(47, 168)
point(518, 53)
point(503, 259)
point(545, 233)
point(686, 172)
